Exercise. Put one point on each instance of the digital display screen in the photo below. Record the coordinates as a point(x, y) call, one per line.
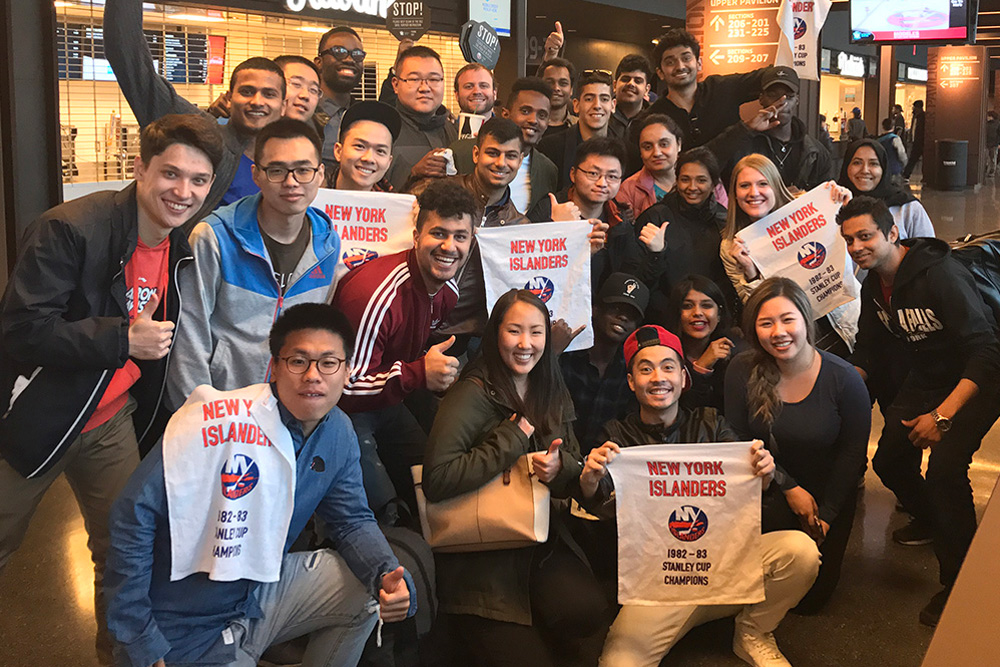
point(909, 20)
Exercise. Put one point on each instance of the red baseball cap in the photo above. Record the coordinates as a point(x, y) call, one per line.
point(649, 336)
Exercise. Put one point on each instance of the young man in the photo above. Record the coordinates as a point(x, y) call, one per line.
point(596, 377)
point(992, 141)
point(475, 90)
point(894, 149)
point(86, 324)
point(302, 87)
point(595, 179)
point(776, 133)
point(917, 147)
point(927, 346)
point(594, 101)
point(419, 87)
point(257, 94)
point(341, 62)
point(396, 302)
point(201, 573)
point(702, 109)
point(632, 82)
point(641, 635)
point(254, 258)
point(364, 152)
point(560, 74)
point(528, 106)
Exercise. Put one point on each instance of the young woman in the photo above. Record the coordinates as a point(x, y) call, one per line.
point(866, 172)
point(515, 606)
point(756, 189)
point(813, 409)
point(689, 244)
point(659, 143)
point(700, 317)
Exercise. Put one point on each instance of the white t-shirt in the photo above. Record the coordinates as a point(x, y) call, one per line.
point(520, 187)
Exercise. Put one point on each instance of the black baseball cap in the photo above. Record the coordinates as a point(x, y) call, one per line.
point(624, 288)
point(776, 74)
point(373, 111)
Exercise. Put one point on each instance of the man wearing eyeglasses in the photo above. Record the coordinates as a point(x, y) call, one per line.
point(253, 259)
point(341, 63)
point(199, 570)
point(594, 102)
point(426, 132)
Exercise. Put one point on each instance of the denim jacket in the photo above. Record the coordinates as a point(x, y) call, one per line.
point(182, 621)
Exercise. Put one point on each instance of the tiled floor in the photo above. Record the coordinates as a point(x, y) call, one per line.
point(46, 610)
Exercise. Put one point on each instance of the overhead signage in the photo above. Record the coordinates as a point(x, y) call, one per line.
point(736, 35)
point(480, 44)
point(851, 65)
point(408, 19)
point(494, 12)
point(367, 7)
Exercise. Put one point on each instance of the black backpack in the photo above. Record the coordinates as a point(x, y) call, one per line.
point(981, 256)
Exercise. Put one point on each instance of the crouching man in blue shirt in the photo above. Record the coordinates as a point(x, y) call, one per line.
point(199, 569)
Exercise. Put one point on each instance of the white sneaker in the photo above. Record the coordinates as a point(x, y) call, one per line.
point(757, 648)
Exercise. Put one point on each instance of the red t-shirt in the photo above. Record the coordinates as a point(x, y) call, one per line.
point(147, 273)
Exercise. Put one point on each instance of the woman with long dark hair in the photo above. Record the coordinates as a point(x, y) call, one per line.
point(813, 409)
point(756, 189)
point(865, 171)
point(698, 314)
point(526, 605)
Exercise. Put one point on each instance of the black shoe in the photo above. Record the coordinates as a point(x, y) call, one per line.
point(931, 614)
point(913, 534)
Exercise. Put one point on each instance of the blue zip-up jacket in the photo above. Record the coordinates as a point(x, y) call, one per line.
point(231, 298)
point(151, 617)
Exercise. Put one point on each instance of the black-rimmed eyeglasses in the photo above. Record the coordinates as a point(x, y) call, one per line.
point(341, 53)
point(326, 365)
point(277, 174)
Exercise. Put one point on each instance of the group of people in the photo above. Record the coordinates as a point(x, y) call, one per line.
point(183, 343)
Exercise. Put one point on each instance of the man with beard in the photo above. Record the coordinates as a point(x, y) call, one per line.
point(396, 303)
point(701, 109)
point(777, 134)
point(596, 377)
point(560, 74)
point(528, 106)
point(475, 90)
point(340, 61)
point(257, 89)
point(419, 86)
point(594, 101)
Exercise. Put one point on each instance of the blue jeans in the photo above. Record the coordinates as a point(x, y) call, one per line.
point(318, 596)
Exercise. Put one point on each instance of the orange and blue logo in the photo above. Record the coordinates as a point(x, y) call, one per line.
point(239, 476)
point(541, 287)
point(688, 523)
point(812, 255)
point(355, 257)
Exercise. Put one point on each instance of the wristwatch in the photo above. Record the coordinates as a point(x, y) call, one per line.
point(943, 423)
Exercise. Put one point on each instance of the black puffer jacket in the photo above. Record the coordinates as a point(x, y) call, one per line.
point(64, 328)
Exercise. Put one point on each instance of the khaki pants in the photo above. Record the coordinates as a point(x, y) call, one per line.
point(97, 465)
point(643, 635)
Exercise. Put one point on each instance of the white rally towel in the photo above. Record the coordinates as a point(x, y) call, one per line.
point(370, 224)
point(229, 470)
point(688, 525)
point(801, 241)
point(800, 25)
point(552, 259)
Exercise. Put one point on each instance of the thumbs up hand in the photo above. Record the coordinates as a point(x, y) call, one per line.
point(654, 237)
point(548, 464)
point(394, 597)
point(147, 338)
point(564, 211)
point(440, 369)
point(554, 42)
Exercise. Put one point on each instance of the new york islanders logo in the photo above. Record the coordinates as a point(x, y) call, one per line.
point(541, 287)
point(812, 255)
point(355, 257)
point(687, 523)
point(800, 28)
point(239, 476)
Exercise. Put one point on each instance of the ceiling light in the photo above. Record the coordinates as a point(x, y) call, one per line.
point(198, 18)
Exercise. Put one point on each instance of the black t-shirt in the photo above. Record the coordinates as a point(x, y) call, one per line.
point(285, 256)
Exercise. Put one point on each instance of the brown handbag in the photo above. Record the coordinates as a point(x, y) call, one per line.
point(508, 512)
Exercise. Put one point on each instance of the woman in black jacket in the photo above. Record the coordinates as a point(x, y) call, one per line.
point(689, 241)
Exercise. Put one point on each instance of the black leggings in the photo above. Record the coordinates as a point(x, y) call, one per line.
point(570, 617)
